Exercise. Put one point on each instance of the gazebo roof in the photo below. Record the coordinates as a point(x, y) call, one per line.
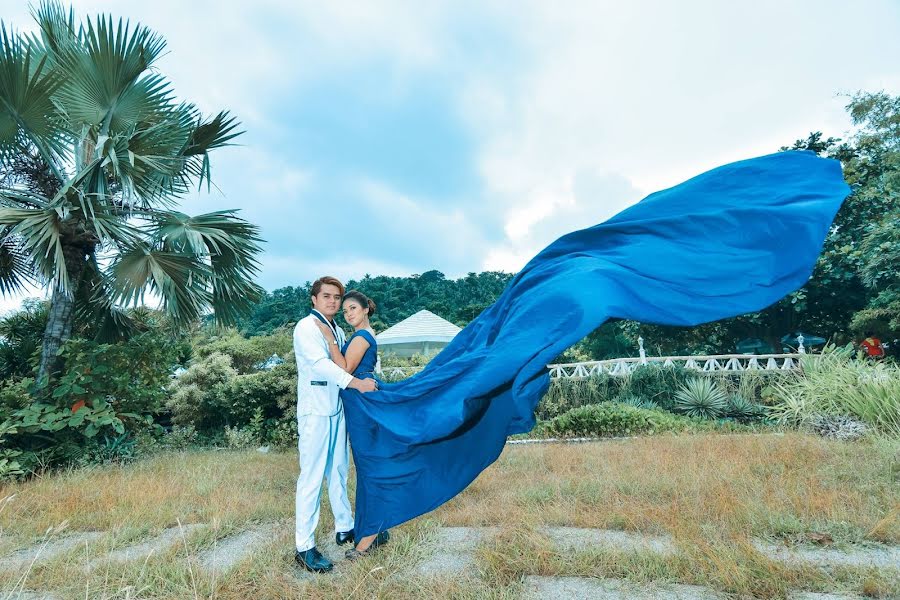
point(424, 326)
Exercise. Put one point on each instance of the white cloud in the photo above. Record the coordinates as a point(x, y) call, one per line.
point(576, 109)
point(658, 92)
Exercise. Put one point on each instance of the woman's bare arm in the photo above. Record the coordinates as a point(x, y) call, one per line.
point(355, 352)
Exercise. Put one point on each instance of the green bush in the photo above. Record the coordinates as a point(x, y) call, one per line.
point(836, 383)
point(742, 410)
point(612, 419)
point(240, 438)
point(212, 395)
point(655, 383)
point(284, 433)
point(246, 353)
point(14, 395)
point(9, 466)
point(179, 438)
point(195, 396)
point(638, 402)
point(564, 394)
point(267, 392)
point(21, 334)
point(104, 395)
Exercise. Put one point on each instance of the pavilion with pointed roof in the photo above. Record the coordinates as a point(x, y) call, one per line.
point(422, 333)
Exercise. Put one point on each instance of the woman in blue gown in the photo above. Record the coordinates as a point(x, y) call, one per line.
point(358, 357)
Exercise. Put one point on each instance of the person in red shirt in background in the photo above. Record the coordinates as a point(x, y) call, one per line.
point(872, 346)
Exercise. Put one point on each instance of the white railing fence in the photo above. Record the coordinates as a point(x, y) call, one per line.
point(714, 363)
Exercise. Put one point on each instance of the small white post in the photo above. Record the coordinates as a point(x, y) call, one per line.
point(641, 351)
point(800, 347)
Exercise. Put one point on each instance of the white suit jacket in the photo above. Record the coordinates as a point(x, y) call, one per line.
point(319, 379)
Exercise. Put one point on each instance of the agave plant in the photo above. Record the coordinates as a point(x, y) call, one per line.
point(701, 397)
point(94, 153)
point(638, 402)
point(743, 410)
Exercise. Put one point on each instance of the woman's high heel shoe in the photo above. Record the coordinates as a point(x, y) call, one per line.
point(380, 540)
point(354, 554)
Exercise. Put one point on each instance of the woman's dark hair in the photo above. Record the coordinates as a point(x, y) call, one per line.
point(362, 299)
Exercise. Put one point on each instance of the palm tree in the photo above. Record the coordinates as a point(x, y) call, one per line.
point(94, 154)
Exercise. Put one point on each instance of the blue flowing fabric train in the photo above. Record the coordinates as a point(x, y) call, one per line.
point(730, 241)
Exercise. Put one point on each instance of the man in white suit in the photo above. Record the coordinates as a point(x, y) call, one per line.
point(324, 451)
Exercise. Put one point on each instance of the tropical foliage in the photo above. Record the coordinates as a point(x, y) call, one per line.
point(835, 383)
point(94, 153)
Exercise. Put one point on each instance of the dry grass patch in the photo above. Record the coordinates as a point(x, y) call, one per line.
point(711, 494)
point(768, 486)
point(152, 494)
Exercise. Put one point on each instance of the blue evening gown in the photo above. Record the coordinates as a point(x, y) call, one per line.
point(730, 241)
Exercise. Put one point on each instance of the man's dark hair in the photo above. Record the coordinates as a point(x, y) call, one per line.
point(327, 280)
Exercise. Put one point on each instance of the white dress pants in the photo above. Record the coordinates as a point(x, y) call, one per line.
point(324, 454)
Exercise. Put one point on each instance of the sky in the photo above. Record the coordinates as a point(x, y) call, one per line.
point(393, 138)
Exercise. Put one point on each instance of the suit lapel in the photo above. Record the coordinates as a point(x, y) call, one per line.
point(334, 328)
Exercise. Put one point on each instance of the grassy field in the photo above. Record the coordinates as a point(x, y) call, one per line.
point(711, 493)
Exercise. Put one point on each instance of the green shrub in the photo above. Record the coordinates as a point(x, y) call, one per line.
point(212, 395)
point(14, 395)
point(791, 407)
point(246, 353)
point(565, 394)
point(195, 397)
point(103, 396)
point(701, 397)
point(21, 334)
point(284, 432)
point(9, 466)
point(240, 438)
point(130, 376)
point(654, 382)
point(180, 438)
point(835, 383)
point(742, 410)
point(390, 359)
point(638, 402)
point(267, 392)
point(611, 419)
point(110, 449)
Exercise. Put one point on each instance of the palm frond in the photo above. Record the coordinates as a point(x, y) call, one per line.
point(148, 164)
point(56, 27)
point(15, 268)
point(39, 235)
point(95, 311)
point(28, 171)
point(230, 244)
point(215, 133)
point(212, 134)
point(28, 115)
point(107, 84)
point(177, 278)
point(14, 198)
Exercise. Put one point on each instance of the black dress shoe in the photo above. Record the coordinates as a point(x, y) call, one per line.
point(344, 537)
point(312, 560)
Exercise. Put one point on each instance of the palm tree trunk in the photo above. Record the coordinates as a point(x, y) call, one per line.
point(62, 312)
point(58, 330)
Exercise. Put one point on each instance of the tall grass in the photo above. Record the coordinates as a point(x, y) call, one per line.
point(711, 494)
point(836, 383)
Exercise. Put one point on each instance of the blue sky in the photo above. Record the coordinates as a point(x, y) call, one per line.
point(399, 137)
